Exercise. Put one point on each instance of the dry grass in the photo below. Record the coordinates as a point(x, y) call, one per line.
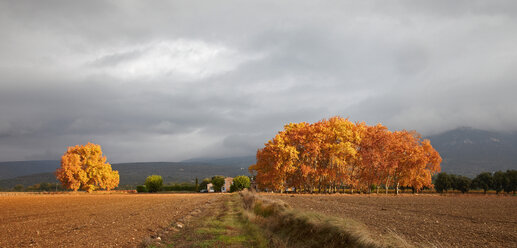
point(305, 229)
point(421, 220)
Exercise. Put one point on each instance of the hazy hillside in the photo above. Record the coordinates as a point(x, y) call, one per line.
point(244, 161)
point(28, 180)
point(23, 168)
point(135, 173)
point(470, 151)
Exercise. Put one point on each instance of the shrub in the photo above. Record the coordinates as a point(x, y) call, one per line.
point(141, 189)
point(153, 183)
point(442, 182)
point(47, 186)
point(18, 187)
point(483, 181)
point(462, 183)
point(240, 183)
point(248, 199)
point(499, 181)
point(453, 179)
point(179, 187)
point(218, 182)
point(511, 185)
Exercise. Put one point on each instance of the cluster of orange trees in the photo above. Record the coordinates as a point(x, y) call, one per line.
point(336, 153)
point(84, 167)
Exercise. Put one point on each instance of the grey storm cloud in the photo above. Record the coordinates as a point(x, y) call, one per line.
point(172, 80)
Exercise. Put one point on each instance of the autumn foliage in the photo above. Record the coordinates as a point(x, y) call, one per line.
point(84, 167)
point(337, 153)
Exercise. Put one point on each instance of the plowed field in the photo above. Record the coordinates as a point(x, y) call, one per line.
point(97, 220)
point(443, 221)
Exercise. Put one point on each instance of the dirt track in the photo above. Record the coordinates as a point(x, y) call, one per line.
point(445, 221)
point(82, 220)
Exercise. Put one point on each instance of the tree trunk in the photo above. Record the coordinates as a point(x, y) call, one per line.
point(387, 185)
point(377, 189)
point(397, 188)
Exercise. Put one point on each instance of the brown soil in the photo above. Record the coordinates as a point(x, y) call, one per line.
point(442, 221)
point(91, 220)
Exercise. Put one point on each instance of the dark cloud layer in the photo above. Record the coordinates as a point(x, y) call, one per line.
point(171, 80)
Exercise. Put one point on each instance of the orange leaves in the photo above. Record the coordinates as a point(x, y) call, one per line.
point(84, 167)
point(415, 158)
point(374, 151)
point(336, 152)
point(306, 155)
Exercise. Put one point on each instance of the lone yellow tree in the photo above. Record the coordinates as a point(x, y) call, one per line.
point(84, 167)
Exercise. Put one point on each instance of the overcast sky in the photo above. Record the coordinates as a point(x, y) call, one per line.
point(172, 80)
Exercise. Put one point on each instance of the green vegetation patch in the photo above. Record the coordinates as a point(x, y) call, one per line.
point(223, 226)
point(229, 229)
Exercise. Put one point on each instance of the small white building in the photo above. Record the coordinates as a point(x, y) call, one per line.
point(227, 184)
point(225, 188)
point(210, 188)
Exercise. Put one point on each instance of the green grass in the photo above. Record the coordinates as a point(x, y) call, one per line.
point(230, 229)
point(223, 227)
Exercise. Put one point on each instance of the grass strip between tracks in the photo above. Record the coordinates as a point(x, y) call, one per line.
point(221, 225)
point(247, 220)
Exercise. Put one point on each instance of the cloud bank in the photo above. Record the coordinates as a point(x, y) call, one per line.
point(171, 80)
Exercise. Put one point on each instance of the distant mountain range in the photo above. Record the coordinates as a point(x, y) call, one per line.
point(465, 151)
point(24, 168)
point(244, 161)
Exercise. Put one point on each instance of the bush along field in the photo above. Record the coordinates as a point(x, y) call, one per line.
point(497, 182)
point(287, 227)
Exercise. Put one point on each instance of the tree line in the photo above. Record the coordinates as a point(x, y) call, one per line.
point(154, 183)
point(39, 187)
point(498, 181)
point(336, 153)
